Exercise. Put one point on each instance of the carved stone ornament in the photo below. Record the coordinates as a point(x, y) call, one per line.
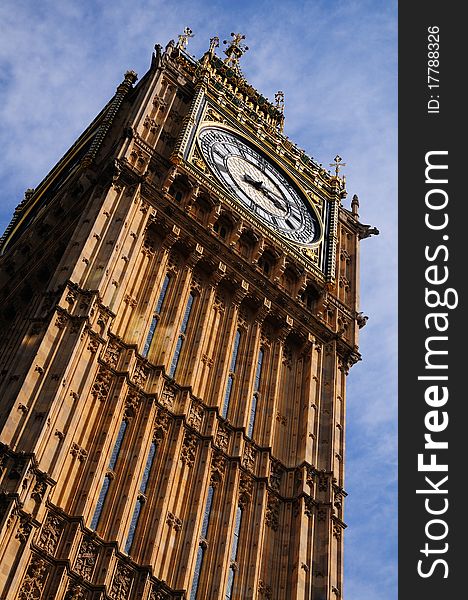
point(140, 374)
point(50, 534)
point(157, 593)
point(40, 488)
point(222, 438)
point(111, 356)
point(102, 384)
point(167, 397)
point(76, 592)
point(218, 468)
point(248, 459)
point(86, 559)
point(78, 452)
point(245, 490)
point(272, 512)
point(24, 529)
point(195, 417)
point(189, 449)
point(265, 590)
point(121, 583)
point(276, 472)
point(173, 521)
point(34, 580)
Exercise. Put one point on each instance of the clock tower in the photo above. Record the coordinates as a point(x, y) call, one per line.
point(180, 309)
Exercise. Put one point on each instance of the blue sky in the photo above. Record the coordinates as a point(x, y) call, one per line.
point(336, 62)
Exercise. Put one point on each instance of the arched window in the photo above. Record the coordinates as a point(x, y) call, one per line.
point(156, 316)
point(230, 381)
point(181, 338)
point(253, 406)
point(202, 547)
point(234, 548)
point(109, 475)
point(141, 498)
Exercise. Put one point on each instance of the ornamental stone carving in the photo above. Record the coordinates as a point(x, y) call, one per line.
point(102, 384)
point(140, 374)
point(195, 417)
point(34, 580)
point(112, 354)
point(222, 438)
point(276, 472)
point(218, 468)
point(167, 397)
point(173, 521)
point(121, 583)
point(76, 592)
point(50, 534)
point(248, 459)
point(272, 512)
point(86, 559)
point(189, 449)
point(24, 529)
point(245, 490)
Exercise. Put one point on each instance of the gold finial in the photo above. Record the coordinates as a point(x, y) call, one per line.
point(279, 99)
point(337, 164)
point(235, 50)
point(184, 38)
point(214, 43)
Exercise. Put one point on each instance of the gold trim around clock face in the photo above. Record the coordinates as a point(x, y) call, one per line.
point(260, 184)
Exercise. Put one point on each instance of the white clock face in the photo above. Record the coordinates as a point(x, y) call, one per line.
point(259, 185)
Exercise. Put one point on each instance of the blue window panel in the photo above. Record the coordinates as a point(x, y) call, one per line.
point(181, 338)
point(230, 381)
point(196, 576)
point(235, 539)
point(117, 445)
point(155, 320)
point(206, 517)
point(162, 295)
point(100, 502)
point(230, 584)
point(253, 411)
point(227, 396)
point(175, 359)
point(149, 464)
point(235, 351)
point(187, 314)
point(133, 526)
point(258, 374)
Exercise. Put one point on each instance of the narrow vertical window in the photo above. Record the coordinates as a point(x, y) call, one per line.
point(230, 381)
point(156, 316)
point(141, 498)
point(234, 549)
point(108, 477)
point(253, 407)
point(181, 338)
point(202, 547)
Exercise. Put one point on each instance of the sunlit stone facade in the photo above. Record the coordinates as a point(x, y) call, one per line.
point(173, 370)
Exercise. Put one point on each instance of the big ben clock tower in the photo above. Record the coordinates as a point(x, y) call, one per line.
point(180, 309)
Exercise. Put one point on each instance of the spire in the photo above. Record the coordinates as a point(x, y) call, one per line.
point(355, 205)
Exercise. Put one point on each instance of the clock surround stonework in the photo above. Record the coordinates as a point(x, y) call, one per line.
point(173, 370)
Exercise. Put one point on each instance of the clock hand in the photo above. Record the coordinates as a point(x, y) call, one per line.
point(273, 198)
point(257, 184)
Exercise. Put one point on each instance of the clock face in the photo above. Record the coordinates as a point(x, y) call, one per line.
point(259, 185)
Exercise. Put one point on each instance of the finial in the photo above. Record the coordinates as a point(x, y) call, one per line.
point(337, 164)
point(184, 38)
point(355, 205)
point(279, 99)
point(214, 43)
point(235, 50)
